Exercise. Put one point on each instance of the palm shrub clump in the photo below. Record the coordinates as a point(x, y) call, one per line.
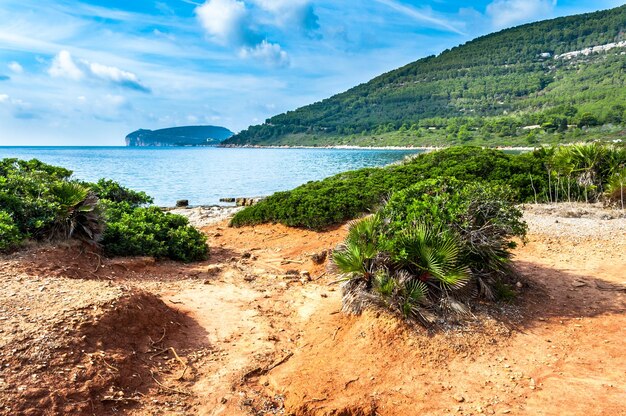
point(431, 249)
point(41, 201)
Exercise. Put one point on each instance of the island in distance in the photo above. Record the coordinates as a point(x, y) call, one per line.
point(179, 136)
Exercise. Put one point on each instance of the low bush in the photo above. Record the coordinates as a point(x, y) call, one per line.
point(578, 172)
point(41, 201)
point(10, 235)
point(114, 192)
point(431, 250)
point(348, 195)
point(148, 231)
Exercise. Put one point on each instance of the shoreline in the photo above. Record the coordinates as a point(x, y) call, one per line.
point(350, 147)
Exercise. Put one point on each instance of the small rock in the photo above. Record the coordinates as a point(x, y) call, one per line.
point(249, 278)
point(319, 258)
point(214, 269)
point(246, 255)
point(305, 275)
point(519, 285)
point(182, 203)
point(459, 398)
point(224, 400)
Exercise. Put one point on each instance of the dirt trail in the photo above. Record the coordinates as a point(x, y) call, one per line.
point(256, 330)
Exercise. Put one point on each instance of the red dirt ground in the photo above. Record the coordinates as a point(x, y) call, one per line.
point(247, 333)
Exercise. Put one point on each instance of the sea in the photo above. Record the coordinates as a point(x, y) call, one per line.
point(203, 175)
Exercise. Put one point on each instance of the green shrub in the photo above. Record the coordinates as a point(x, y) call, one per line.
point(10, 235)
point(41, 201)
point(348, 195)
point(152, 232)
point(44, 203)
point(114, 192)
point(431, 250)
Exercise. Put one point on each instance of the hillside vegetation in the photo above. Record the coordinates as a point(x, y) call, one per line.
point(509, 87)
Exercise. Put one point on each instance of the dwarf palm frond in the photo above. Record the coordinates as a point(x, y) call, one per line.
point(351, 260)
point(356, 257)
point(365, 233)
point(78, 214)
point(434, 253)
point(616, 189)
point(413, 299)
point(384, 283)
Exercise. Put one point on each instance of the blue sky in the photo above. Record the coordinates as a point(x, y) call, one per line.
point(89, 72)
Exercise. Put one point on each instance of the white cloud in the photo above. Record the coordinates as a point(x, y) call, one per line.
point(115, 101)
point(270, 53)
point(4, 98)
point(15, 67)
point(230, 23)
point(291, 12)
point(507, 13)
point(425, 16)
point(63, 66)
point(116, 76)
point(223, 20)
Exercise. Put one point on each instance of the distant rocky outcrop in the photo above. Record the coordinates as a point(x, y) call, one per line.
point(179, 136)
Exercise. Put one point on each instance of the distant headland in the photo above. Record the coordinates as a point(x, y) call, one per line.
point(179, 136)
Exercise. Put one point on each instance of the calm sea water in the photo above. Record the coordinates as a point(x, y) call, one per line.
point(205, 174)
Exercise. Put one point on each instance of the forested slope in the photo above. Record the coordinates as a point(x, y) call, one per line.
point(486, 90)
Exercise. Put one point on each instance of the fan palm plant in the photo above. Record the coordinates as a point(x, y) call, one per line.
point(433, 254)
point(616, 188)
point(78, 213)
point(356, 258)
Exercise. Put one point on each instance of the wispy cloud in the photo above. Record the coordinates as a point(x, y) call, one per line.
point(425, 16)
point(4, 77)
point(15, 67)
point(116, 76)
point(64, 66)
point(507, 13)
point(265, 51)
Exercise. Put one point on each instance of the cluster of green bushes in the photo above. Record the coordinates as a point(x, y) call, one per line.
point(42, 202)
point(432, 249)
point(531, 177)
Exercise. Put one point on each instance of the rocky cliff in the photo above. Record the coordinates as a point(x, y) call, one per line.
point(179, 136)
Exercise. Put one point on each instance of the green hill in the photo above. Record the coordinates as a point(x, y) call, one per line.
point(179, 136)
point(509, 87)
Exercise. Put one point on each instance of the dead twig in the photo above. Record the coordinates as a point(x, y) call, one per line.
point(610, 287)
point(336, 330)
point(185, 393)
point(320, 276)
point(185, 366)
point(258, 371)
point(350, 382)
point(99, 259)
point(108, 365)
point(287, 261)
point(119, 399)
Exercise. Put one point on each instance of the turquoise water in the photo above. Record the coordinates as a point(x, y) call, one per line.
point(205, 174)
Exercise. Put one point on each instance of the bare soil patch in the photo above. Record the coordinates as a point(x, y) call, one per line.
point(256, 330)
